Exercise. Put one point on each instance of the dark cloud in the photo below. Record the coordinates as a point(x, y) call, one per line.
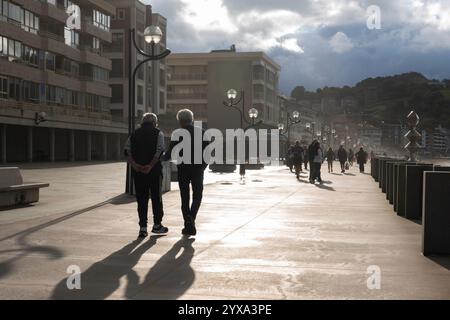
point(329, 43)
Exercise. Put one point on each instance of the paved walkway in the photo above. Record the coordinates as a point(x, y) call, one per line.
point(272, 238)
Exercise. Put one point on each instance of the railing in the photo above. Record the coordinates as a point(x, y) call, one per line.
point(8, 106)
point(187, 96)
point(188, 77)
point(50, 35)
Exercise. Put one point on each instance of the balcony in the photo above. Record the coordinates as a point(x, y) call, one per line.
point(188, 77)
point(184, 96)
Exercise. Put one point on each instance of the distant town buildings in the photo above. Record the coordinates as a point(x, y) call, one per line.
point(201, 81)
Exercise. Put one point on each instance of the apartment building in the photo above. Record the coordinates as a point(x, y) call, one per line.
point(54, 89)
point(200, 81)
point(150, 88)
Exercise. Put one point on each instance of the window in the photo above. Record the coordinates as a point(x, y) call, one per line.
point(140, 95)
point(13, 12)
point(100, 74)
point(117, 42)
point(117, 68)
point(30, 22)
point(120, 14)
point(96, 44)
point(101, 20)
point(30, 55)
point(140, 17)
point(14, 88)
point(3, 88)
point(50, 61)
point(30, 91)
point(117, 93)
point(71, 38)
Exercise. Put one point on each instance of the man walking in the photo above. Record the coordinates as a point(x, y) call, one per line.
point(297, 152)
point(330, 158)
point(342, 156)
point(143, 151)
point(190, 173)
point(361, 158)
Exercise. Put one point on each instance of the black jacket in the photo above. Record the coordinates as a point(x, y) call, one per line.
point(143, 145)
point(342, 155)
point(191, 129)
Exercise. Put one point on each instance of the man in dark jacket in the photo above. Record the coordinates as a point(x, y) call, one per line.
point(311, 155)
point(143, 151)
point(342, 156)
point(190, 173)
point(297, 152)
point(361, 158)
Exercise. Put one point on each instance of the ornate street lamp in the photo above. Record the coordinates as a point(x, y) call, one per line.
point(290, 121)
point(152, 36)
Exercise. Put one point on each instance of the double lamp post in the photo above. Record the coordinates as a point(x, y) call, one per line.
point(152, 36)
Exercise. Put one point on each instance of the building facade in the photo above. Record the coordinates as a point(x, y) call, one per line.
point(54, 82)
point(200, 81)
point(150, 89)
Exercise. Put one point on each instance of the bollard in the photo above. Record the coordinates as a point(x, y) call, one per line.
point(436, 213)
point(414, 190)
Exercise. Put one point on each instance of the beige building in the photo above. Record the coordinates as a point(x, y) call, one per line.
point(150, 89)
point(54, 89)
point(200, 81)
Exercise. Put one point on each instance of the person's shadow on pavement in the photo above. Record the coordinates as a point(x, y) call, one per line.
point(102, 278)
point(170, 277)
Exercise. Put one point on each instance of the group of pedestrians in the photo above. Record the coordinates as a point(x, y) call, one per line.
point(145, 150)
point(314, 154)
point(300, 156)
point(346, 159)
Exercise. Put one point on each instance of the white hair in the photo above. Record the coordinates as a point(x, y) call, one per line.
point(150, 118)
point(185, 116)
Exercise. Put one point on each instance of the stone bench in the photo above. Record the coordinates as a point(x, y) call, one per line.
point(13, 191)
point(436, 212)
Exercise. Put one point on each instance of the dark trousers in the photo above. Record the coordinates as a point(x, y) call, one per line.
point(149, 185)
point(361, 167)
point(330, 166)
point(190, 176)
point(317, 167)
point(342, 165)
point(306, 164)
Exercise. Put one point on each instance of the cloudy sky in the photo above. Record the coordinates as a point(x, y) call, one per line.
point(319, 42)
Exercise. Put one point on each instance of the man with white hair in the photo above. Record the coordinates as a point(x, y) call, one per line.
point(144, 150)
point(189, 174)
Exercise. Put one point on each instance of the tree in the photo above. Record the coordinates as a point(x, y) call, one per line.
point(298, 93)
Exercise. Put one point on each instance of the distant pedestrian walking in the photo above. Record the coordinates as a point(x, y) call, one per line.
point(144, 149)
point(342, 156)
point(297, 152)
point(330, 159)
point(351, 157)
point(305, 156)
point(311, 159)
point(317, 162)
point(361, 158)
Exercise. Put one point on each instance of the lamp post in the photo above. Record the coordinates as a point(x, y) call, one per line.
point(233, 102)
point(290, 121)
point(152, 36)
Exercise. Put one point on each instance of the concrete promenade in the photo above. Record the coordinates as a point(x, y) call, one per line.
point(272, 238)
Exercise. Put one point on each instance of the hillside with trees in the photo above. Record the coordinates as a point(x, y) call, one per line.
point(387, 99)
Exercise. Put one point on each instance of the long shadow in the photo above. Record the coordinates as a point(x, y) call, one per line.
point(324, 187)
point(170, 277)
point(103, 277)
point(51, 251)
point(350, 174)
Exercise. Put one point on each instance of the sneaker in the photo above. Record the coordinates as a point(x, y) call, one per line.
point(143, 233)
point(159, 229)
